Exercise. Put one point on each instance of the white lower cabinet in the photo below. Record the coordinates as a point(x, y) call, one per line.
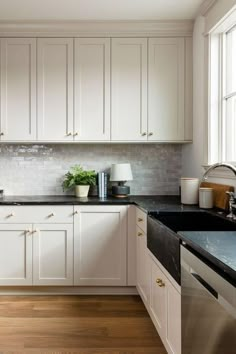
point(35, 252)
point(165, 309)
point(53, 254)
point(100, 237)
point(15, 254)
point(143, 266)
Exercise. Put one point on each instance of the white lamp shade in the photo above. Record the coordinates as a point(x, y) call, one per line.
point(121, 172)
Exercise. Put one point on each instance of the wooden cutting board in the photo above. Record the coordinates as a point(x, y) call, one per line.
point(221, 199)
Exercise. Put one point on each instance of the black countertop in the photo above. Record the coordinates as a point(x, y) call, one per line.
point(215, 247)
point(147, 203)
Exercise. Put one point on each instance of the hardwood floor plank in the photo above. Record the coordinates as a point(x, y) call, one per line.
point(76, 324)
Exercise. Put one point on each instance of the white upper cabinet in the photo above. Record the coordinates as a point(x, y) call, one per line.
point(92, 89)
point(96, 89)
point(55, 89)
point(129, 89)
point(166, 86)
point(18, 89)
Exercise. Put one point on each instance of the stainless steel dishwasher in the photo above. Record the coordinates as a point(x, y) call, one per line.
point(208, 309)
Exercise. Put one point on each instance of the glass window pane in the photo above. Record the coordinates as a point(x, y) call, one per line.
point(230, 129)
point(231, 62)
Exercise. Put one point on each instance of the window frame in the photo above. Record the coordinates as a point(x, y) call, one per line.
point(216, 144)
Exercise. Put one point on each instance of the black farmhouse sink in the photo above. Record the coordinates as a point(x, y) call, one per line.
point(162, 238)
point(194, 221)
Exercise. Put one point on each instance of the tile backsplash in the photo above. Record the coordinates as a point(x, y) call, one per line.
point(39, 169)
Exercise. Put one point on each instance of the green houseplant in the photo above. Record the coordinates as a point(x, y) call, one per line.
point(79, 179)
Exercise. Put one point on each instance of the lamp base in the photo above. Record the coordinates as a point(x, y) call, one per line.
point(120, 191)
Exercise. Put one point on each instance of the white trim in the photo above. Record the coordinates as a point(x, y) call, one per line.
point(205, 7)
point(220, 15)
point(96, 28)
point(75, 290)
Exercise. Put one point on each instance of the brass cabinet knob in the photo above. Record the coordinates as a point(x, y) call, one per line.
point(140, 234)
point(144, 134)
point(150, 134)
point(140, 219)
point(10, 215)
point(69, 134)
point(1, 133)
point(76, 212)
point(161, 285)
point(27, 231)
point(50, 215)
point(160, 282)
point(76, 133)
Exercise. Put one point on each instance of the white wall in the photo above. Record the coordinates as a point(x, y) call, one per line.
point(193, 154)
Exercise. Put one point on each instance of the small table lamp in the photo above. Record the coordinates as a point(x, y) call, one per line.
point(121, 172)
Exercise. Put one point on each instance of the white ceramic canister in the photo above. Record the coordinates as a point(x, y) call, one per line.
point(206, 198)
point(189, 190)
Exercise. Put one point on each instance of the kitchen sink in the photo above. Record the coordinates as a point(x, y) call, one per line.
point(162, 238)
point(194, 221)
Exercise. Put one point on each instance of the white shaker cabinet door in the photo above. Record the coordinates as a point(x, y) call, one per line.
point(18, 89)
point(100, 245)
point(92, 89)
point(158, 308)
point(15, 254)
point(166, 79)
point(143, 266)
point(165, 309)
point(129, 89)
point(52, 254)
point(55, 89)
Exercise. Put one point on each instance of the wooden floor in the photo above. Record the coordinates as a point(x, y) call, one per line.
point(76, 324)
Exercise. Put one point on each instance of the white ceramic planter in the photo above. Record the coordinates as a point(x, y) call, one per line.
point(81, 191)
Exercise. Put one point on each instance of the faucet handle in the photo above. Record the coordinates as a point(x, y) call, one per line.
point(231, 195)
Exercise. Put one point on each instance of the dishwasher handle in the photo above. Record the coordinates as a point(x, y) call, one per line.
point(208, 287)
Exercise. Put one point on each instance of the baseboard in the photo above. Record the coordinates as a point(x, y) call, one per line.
point(75, 290)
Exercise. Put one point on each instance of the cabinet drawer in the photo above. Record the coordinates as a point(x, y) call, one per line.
point(141, 219)
point(36, 214)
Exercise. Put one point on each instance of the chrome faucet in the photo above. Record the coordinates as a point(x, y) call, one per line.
point(231, 194)
point(218, 164)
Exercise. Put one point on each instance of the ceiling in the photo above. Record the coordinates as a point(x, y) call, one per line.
point(98, 9)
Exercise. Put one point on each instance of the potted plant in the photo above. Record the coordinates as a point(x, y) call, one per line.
point(80, 179)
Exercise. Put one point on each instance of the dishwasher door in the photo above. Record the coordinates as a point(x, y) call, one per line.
point(208, 309)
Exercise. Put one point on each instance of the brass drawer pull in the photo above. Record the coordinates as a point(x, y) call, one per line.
point(140, 234)
point(140, 219)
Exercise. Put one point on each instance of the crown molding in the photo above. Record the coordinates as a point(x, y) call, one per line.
point(205, 7)
point(183, 28)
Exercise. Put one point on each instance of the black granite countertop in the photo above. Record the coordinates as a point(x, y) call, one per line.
point(146, 203)
point(216, 247)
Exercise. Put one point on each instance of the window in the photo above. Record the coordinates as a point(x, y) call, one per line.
point(222, 92)
point(229, 97)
